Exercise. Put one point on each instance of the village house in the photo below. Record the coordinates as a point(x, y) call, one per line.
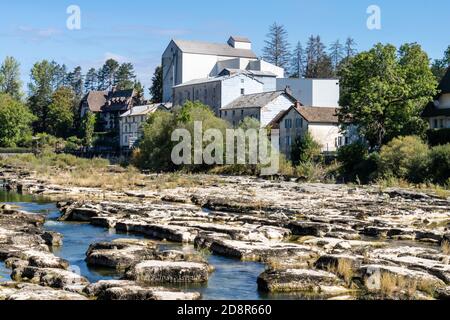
point(263, 106)
point(109, 106)
point(218, 91)
point(321, 122)
point(185, 61)
point(131, 123)
point(437, 112)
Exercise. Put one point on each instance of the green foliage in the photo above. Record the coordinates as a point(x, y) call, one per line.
point(277, 47)
point(46, 144)
point(440, 66)
point(10, 82)
point(73, 144)
point(384, 91)
point(15, 122)
point(405, 158)
point(88, 129)
point(125, 76)
point(438, 137)
point(357, 164)
point(440, 164)
point(156, 90)
point(305, 149)
point(62, 112)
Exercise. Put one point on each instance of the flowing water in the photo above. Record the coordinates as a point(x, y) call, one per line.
point(232, 279)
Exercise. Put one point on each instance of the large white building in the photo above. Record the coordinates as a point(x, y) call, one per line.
point(312, 92)
point(185, 61)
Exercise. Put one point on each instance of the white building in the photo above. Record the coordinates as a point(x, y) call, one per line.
point(132, 121)
point(437, 112)
point(184, 61)
point(321, 122)
point(217, 92)
point(312, 92)
point(262, 106)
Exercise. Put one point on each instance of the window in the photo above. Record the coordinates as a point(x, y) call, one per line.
point(234, 113)
point(441, 123)
point(242, 80)
point(242, 112)
point(288, 141)
point(435, 123)
point(288, 123)
point(299, 123)
point(242, 91)
point(226, 113)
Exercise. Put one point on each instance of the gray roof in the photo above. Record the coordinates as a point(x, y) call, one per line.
point(218, 49)
point(212, 79)
point(257, 100)
point(143, 110)
point(255, 73)
point(240, 39)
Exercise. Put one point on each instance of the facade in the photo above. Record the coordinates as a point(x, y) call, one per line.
point(321, 122)
point(312, 92)
point(109, 105)
point(216, 92)
point(131, 123)
point(184, 61)
point(437, 112)
point(263, 106)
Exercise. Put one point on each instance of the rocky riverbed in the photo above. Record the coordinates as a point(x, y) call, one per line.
point(317, 241)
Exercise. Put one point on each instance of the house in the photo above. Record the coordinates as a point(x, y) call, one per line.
point(321, 122)
point(217, 91)
point(437, 112)
point(131, 122)
point(263, 106)
point(312, 92)
point(184, 61)
point(109, 105)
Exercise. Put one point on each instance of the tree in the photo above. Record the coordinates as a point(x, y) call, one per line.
point(125, 77)
point(10, 78)
point(41, 89)
point(156, 90)
point(440, 66)
point(61, 112)
point(15, 119)
point(88, 129)
point(60, 77)
point(139, 88)
point(107, 75)
point(298, 61)
point(277, 48)
point(318, 63)
point(350, 48)
point(384, 90)
point(336, 53)
point(75, 81)
point(305, 149)
point(91, 80)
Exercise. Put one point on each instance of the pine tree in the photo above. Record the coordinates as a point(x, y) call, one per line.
point(336, 53)
point(91, 80)
point(125, 77)
point(349, 49)
point(318, 63)
point(298, 62)
point(75, 81)
point(157, 85)
point(277, 48)
point(107, 75)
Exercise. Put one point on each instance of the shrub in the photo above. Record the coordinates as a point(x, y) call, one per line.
point(440, 164)
point(405, 158)
point(438, 137)
point(357, 164)
point(305, 149)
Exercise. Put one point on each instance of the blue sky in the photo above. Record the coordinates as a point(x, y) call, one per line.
point(138, 31)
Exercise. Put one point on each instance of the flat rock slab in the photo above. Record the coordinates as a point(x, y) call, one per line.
point(254, 251)
point(41, 259)
point(168, 272)
point(33, 292)
point(130, 290)
point(296, 280)
point(162, 232)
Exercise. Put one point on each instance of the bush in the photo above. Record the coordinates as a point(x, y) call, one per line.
point(438, 137)
point(440, 164)
point(305, 149)
point(405, 158)
point(356, 163)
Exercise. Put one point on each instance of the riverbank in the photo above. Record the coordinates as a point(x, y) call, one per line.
point(316, 240)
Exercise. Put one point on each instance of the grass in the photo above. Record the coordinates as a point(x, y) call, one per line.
point(343, 269)
point(442, 192)
point(445, 247)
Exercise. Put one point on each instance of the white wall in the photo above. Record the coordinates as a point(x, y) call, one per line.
point(325, 135)
point(269, 112)
point(312, 92)
point(444, 101)
point(231, 88)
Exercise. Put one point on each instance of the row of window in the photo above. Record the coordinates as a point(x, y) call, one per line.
point(339, 142)
point(134, 119)
point(298, 123)
point(439, 124)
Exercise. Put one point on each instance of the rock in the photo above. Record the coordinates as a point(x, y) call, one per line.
point(41, 259)
point(331, 261)
point(54, 278)
point(443, 293)
point(119, 254)
point(162, 232)
point(26, 291)
point(104, 222)
point(168, 272)
point(129, 290)
point(306, 228)
point(295, 280)
point(52, 239)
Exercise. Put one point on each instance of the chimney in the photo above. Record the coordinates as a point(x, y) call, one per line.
point(238, 42)
point(297, 104)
